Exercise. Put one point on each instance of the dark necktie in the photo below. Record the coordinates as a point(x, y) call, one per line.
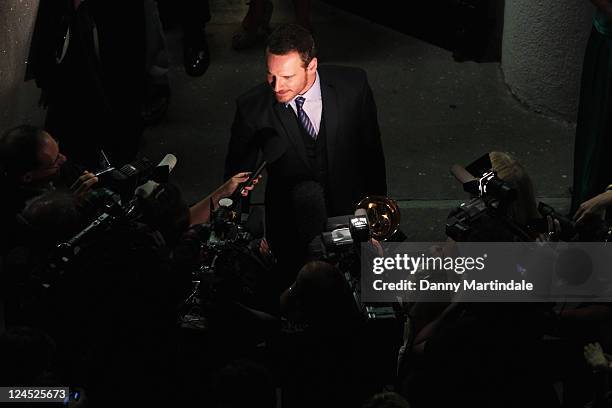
point(303, 118)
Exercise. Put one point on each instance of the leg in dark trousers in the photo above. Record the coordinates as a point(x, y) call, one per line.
point(195, 15)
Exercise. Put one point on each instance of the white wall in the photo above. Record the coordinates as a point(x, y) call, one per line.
point(542, 50)
point(18, 100)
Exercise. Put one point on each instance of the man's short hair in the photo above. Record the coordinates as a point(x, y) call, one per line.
point(19, 150)
point(292, 37)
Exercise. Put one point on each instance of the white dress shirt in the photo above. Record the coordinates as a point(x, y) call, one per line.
point(313, 104)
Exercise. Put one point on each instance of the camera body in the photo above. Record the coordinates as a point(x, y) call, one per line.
point(229, 271)
point(486, 209)
point(113, 201)
point(125, 180)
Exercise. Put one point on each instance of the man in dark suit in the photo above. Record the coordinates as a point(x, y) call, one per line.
point(326, 121)
point(88, 57)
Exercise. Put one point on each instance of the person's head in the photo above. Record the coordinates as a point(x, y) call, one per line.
point(524, 209)
point(53, 217)
point(320, 296)
point(291, 61)
point(29, 155)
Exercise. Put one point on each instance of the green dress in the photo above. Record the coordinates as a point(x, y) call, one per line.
point(593, 147)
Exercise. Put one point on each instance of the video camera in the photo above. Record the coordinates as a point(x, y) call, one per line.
point(341, 238)
point(126, 179)
point(116, 198)
point(230, 271)
point(487, 209)
point(376, 217)
point(486, 212)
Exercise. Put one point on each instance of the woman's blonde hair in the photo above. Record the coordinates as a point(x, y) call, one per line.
point(524, 208)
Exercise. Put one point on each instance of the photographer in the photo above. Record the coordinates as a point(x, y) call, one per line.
point(31, 164)
point(141, 281)
point(111, 306)
point(325, 361)
point(462, 334)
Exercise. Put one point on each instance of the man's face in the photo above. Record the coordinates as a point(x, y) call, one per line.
point(50, 161)
point(287, 75)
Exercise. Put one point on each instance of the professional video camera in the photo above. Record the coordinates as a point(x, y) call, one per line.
point(231, 267)
point(487, 209)
point(232, 275)
point(117, 199)
point(376, 217)
point(125, 180)
point(486, 212)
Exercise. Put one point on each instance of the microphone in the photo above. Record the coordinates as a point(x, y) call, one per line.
point(168, 160)
point(147, 188)
point(253, 176)
point(273, 147)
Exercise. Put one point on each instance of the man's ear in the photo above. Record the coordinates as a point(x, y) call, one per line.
point(312, 65)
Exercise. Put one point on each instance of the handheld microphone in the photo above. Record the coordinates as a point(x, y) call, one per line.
point(147, 188)
point(253, 176)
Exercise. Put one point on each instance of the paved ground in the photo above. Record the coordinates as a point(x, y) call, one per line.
point(433, 112)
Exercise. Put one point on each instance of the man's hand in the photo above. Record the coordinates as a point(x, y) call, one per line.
point(596, 206)
point(228, 188)
point(83, 184)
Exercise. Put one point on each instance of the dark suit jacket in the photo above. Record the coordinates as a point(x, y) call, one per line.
point(356, 164)
point(95, 90)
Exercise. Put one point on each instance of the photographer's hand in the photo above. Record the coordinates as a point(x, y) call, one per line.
point(595, 357)
point(596, 206)
point(230, 186)
point(83, 184)
point(200, 212)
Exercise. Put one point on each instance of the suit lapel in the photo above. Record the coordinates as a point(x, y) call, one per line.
point(330, 114)
point(289, 122)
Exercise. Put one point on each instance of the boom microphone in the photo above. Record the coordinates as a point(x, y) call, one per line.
point(168, 160)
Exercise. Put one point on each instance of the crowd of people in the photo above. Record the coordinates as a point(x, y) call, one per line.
point(127, 294)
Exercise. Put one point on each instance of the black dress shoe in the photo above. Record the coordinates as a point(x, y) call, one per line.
point(196, 59)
